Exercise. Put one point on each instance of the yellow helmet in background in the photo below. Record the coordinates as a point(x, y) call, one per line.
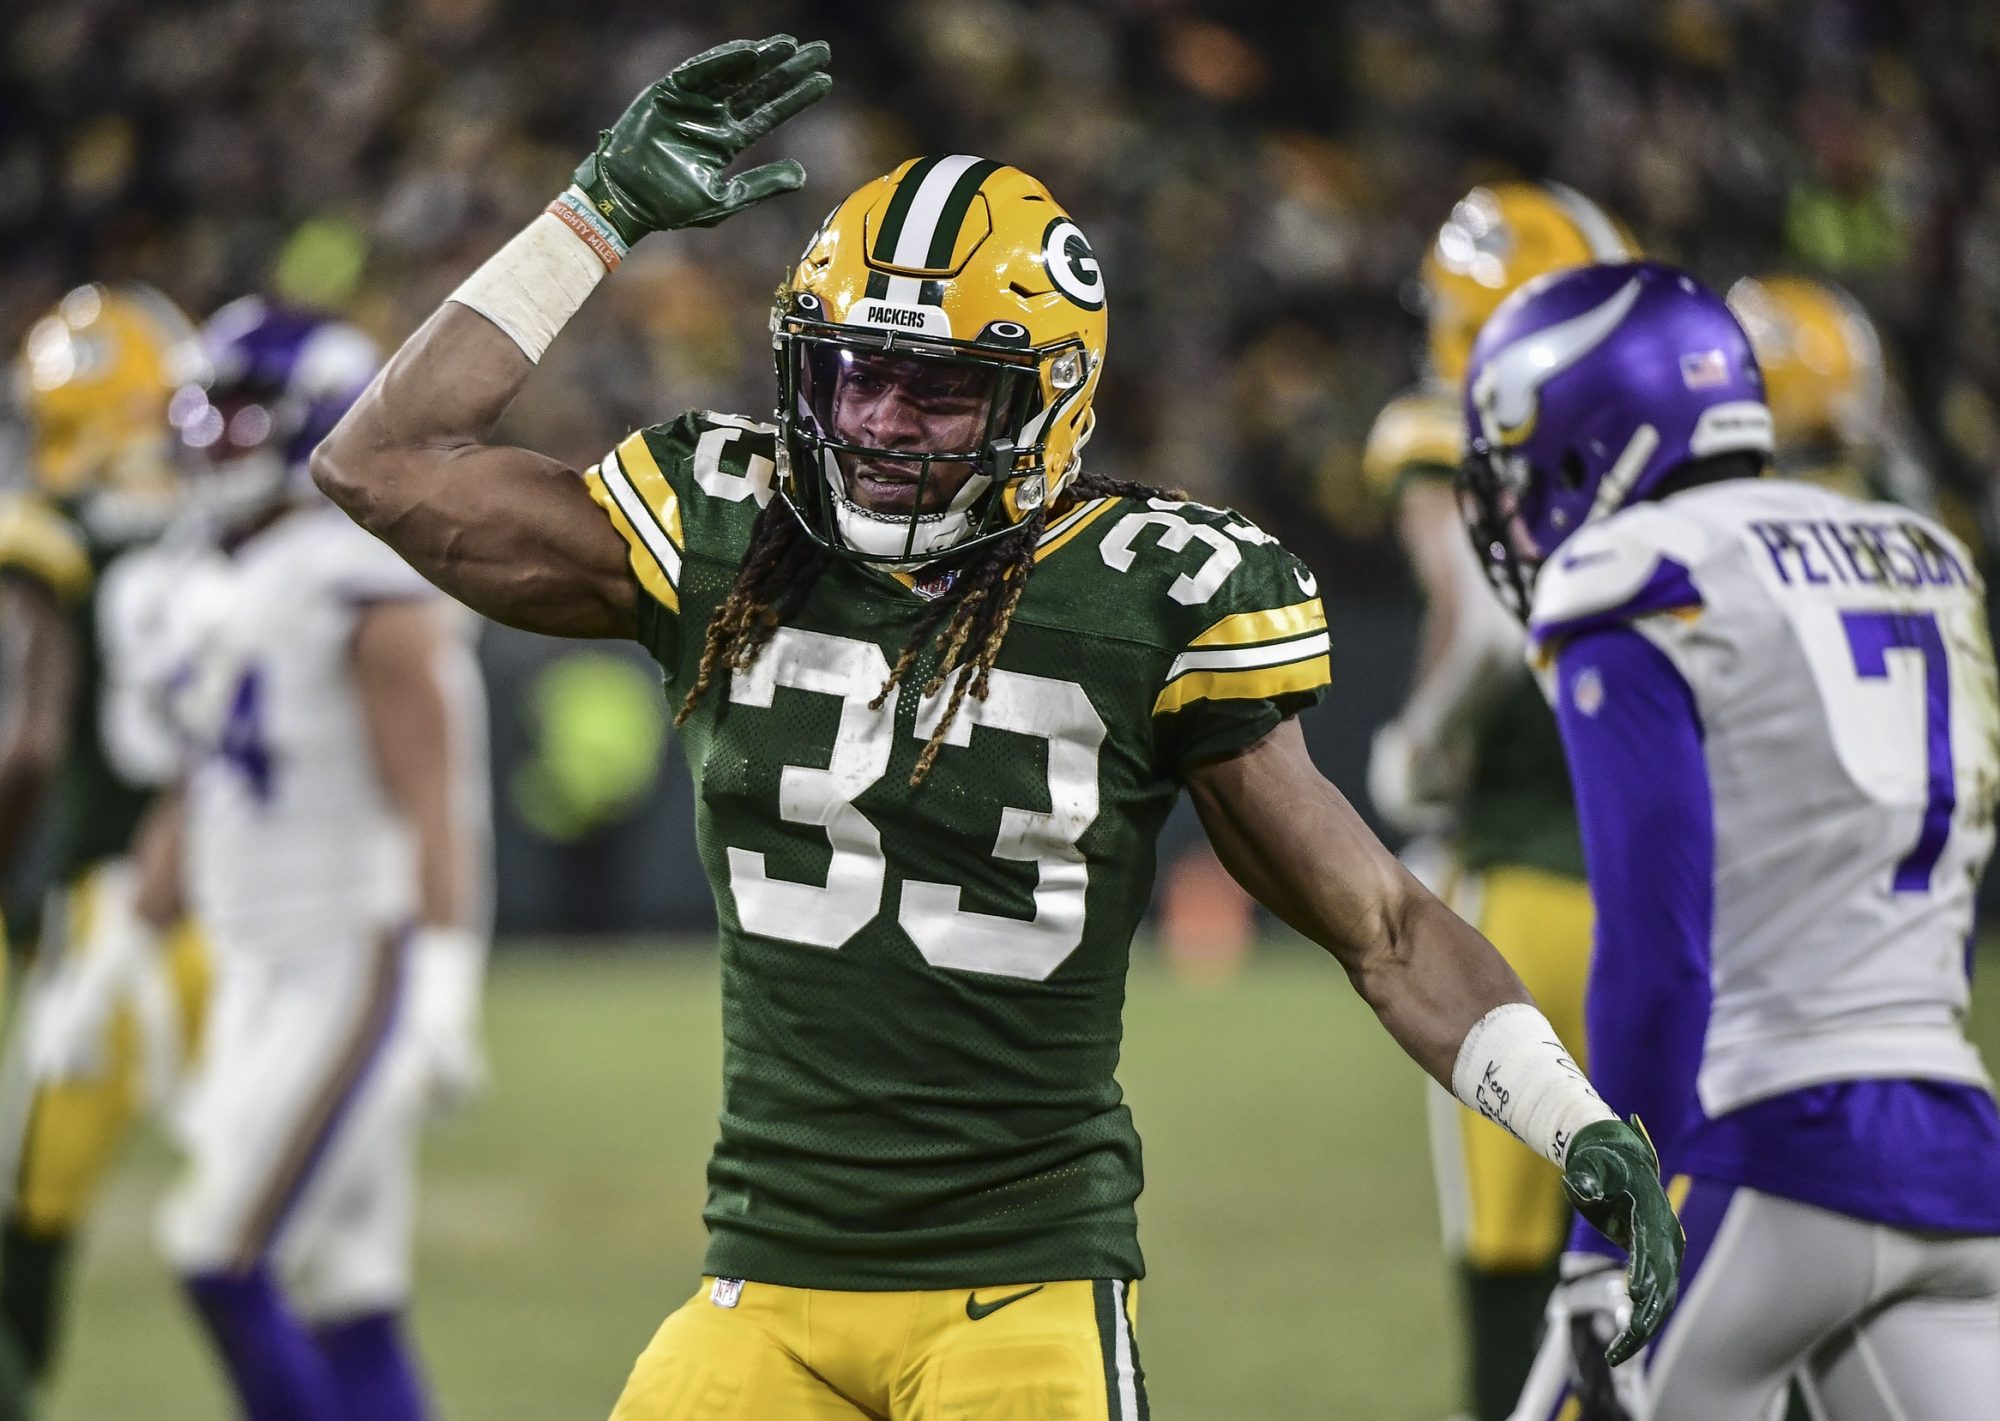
point(1821, 358)
point(95, 376)
point(1497, 238)
point(946, 262)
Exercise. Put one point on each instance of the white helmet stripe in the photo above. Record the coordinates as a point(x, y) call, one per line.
point(913, 243)
point(1508, 390)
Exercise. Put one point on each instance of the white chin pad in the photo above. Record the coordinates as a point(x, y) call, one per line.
point(888, 535)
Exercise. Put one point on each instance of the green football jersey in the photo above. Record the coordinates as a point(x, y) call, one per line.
point(1517, 808)
point(95, 809)
point(922, 987)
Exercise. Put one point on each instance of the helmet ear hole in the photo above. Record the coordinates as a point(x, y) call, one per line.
point(1571, 472)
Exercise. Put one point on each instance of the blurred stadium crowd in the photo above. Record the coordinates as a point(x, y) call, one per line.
point(1260, 181)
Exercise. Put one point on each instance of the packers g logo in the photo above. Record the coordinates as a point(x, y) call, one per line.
point(1072, 266)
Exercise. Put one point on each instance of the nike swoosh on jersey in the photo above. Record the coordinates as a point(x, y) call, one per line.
point(1576, 560)
point(975, 1309)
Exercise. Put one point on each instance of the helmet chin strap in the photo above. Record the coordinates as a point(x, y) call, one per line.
point(1623, 474)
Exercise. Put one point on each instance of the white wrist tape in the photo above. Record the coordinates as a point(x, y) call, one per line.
point(533, 285)
point(1512, 1069)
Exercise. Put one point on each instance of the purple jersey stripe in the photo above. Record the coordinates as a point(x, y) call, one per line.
point(1669, 588)
point(321, 1121)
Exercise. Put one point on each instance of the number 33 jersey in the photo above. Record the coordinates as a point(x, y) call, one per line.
point(922, 986)
point(1838, 658)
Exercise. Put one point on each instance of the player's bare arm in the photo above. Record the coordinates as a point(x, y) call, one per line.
point(40, 651)
point(1292, 839)
point(1445, 994)
point(396, 647)
point(509, 532)
point(1468, 652)
point(160, 896)
point(398, 654)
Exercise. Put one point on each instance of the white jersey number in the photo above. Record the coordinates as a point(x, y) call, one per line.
point(948, 936)
point(945, 933)
point(801, 912)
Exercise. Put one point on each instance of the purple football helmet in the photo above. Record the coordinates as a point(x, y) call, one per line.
point(1585, 390)
point(278, 381)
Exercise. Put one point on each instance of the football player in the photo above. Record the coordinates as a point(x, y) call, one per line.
point(334, 824)
point(104, 1018)
point(1471, 764)
point(1778, 704)
point(938, 687)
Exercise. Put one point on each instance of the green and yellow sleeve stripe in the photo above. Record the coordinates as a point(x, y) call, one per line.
point(1251, 656)
point(644, 508)
point(37, 540)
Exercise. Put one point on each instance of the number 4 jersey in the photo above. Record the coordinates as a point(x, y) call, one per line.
point(293, 845)
point(922, 987)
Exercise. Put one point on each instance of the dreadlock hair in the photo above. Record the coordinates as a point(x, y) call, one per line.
point(965, 626)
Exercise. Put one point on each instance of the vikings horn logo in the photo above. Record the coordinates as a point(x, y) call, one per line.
point(1507, 393)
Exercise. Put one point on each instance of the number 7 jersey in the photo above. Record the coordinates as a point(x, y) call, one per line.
point(922, 986)
point(1837, 654)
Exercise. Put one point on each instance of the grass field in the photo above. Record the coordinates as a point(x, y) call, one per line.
point(1288, 1219)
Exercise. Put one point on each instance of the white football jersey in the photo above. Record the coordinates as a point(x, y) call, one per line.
point(1838, 655)
point(292, 842)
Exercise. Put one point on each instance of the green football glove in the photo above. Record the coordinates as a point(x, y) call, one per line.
point(1612, 1176)
point(661, 165)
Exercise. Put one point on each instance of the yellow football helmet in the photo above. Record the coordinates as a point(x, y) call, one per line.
point(1821, 358)
point(95, 377)
point(1498, 238)
point(956, 270)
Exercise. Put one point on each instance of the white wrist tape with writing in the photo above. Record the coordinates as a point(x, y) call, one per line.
point(1513, 1069)
point(533, 285)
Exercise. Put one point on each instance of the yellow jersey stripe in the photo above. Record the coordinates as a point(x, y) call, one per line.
point(645, 565)
point(1677, 1191)
point(1067, 530)
point(643, 517)
point(1254, 683)
point(636, 459)
point(1246, 627)
point(39, 542)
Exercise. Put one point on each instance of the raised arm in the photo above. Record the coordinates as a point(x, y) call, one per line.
point(1442, 991)
point(509, 532)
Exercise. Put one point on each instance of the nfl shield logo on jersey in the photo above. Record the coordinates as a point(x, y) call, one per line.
point(936, 585)
point(725, 1292)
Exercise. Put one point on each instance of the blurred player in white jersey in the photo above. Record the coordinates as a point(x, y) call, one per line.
point(335, 832)
point(1779, 708)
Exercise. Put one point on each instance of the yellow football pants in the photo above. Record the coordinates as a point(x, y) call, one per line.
point(1502, 1203)
point(65, 1133)
point(1026, 1352)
